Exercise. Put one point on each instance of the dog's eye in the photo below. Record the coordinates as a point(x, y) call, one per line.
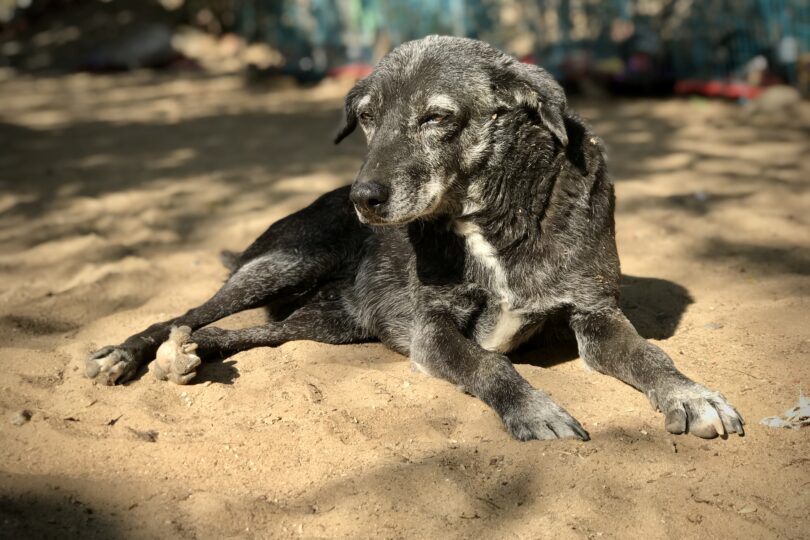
point(366, 117)
point(434, 119)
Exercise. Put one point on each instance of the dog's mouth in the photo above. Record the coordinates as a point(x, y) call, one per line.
point(384, 216)
point(380, 220)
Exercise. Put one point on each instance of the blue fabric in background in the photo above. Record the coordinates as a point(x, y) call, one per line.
point(671, 39)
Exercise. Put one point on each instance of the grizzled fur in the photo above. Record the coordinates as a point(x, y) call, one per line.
point(482, 209)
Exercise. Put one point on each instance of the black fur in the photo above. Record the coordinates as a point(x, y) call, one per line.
point(482, 209)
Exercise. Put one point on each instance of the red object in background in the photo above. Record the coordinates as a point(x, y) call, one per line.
point(716, 88)
point(357, 70)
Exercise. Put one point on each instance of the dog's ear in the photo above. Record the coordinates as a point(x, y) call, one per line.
point(532, 87)
point(350, 111)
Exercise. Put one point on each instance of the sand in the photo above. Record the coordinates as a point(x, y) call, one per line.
point(116, 195)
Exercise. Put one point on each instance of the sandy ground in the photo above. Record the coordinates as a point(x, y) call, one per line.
point(118, 193)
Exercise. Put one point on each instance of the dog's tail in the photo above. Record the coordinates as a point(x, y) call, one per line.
point(230, 259)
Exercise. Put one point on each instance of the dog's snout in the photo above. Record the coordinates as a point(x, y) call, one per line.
point(369, 195)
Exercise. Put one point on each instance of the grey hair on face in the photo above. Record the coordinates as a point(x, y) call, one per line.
point(442, 101)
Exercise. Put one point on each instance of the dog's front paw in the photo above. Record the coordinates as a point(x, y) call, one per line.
point(692, 408)
point(175, 359)
point(110, 365)
point(535, 416)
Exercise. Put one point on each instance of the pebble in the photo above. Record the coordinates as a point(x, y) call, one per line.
point(21, 417)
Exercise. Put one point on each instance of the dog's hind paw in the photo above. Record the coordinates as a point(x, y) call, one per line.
point(538, 417)
point(110, 365)
point(694, 409)
point(175, 360)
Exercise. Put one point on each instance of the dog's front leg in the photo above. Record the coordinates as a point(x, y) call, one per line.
point(609, 344)
point(439, 348)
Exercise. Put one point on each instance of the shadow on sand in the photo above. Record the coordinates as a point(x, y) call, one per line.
point(654, 306)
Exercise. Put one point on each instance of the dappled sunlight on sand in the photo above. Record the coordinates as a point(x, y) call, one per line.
point(116, 195)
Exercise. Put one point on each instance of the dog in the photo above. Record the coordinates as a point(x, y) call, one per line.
point(483, 209)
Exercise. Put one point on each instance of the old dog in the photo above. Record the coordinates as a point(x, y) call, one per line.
point(483, 208)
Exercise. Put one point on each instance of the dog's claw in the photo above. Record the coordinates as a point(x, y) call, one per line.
point(175, 360)
point(110, 365)
point(538, 417)
point(697, 410)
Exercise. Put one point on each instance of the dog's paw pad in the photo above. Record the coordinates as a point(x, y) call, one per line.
point(175, 360)
point(701, 412)
point(110, 365)
point(538, 417)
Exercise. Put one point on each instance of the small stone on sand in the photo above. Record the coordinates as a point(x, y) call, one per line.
point(21, 417)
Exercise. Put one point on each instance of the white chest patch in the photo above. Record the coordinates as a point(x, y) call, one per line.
point(509, 322)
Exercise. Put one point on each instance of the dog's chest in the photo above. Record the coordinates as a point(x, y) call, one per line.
point(499, 330)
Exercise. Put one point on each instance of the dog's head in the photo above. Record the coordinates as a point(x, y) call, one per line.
point(433, 112)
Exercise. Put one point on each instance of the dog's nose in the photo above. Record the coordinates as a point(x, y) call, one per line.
point(369, 195)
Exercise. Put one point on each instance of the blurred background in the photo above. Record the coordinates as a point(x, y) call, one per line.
point(727, 48)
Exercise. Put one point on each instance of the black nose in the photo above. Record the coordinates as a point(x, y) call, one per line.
point(369, 195)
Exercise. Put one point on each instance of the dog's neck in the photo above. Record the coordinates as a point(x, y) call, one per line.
point(507, 209)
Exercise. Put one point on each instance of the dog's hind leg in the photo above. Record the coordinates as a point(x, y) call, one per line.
point(609, 344)
point(440, 349)
point(296, 254)
point(326, 322)
point(251, 286)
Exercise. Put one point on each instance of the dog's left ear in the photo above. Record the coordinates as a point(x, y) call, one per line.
point(350, 108)
point(532, 87)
